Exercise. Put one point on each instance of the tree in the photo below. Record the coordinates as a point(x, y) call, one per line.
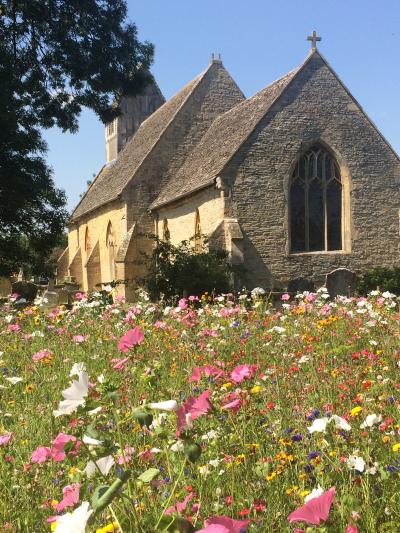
point(56, 56)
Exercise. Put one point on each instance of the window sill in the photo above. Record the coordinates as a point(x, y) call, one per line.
point(322, 252)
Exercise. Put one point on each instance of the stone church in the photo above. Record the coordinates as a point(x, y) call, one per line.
point(293, 182)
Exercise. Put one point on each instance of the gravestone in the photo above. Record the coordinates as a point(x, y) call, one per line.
point(64, 297)
point(50, 294)
point(5, 287)
point(300, 285)
point(25, 289)
point(341, 282)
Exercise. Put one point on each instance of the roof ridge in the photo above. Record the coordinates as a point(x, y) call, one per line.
point(358, 104)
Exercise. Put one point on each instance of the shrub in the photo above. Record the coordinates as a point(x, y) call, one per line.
point(387, 279)
point(180, 270)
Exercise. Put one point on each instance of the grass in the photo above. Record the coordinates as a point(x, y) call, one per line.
point(307, 361)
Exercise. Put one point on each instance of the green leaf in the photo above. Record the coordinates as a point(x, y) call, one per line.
point(149, 475)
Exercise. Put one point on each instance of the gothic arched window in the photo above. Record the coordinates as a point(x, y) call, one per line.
point(110, 245)
point(315, 203)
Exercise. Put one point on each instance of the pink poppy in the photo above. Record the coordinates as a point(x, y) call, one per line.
point(222, 524)
point(242, 372)
point(233, 403)
point(180, 506)
point(5, 439)
point(207, 370)
point(70, 497)
point(43, 354)
point(58, 444)
point(314, 510)
point(79, 338)
point(131, 338)
point(193, 408)
point(351, 529)
point(41, 454)
point(285, 297)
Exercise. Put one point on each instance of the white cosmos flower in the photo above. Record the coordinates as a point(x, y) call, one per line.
point(74, 396)
point(168, 405)
point(314, 493)
point(14, 380)
point(74, 522)
point(371, 420)
point(354, 462)
point(104, 465)
point(341, 423)
point(319, 425)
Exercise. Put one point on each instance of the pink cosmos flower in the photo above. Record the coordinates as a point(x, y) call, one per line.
point(41, 454)
point(285, 297)
point(79, 338)
point(180, 506)
point(233, 402)
point(192, 409)
point(13, 327)
point(224, 524)
point(70, 497)
point(183, 303)
point(131, 338)
point(79, 296)
point(314, 510)
point(242, 372)
point(351, 529)
point(43, 354)
point(5, 439)
point(207, 370)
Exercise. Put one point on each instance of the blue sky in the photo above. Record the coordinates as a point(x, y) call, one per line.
point(259, 40)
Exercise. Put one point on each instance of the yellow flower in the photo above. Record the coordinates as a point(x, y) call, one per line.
point(53, 526)
point(227, 385)
point(304, 493)
point(271, 476)
point(356, 410)
point(256, 389)
point(109, 528)
point(29, 388)
point(396, 447)
point(386, 438)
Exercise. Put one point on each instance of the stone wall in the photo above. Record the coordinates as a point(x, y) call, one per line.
point(315, 107)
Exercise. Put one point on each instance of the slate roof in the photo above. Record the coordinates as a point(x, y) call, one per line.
point(225, 136)
point(112, 179)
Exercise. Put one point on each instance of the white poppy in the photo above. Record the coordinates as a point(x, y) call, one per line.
point(14, 380)
point(168, 405)
point(314, 494)
point(90, 441)
point(371, 420)
point(74, 396)
point(354, 462)
point(77, 368)
point(319, 425)
point(104, 465)
point(341, 423)
point(74, 522)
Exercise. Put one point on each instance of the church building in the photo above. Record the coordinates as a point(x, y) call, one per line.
point(293, 182)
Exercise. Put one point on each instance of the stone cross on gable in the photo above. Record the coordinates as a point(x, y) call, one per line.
point(313, 38)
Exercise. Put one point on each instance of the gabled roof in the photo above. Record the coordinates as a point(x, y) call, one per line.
point(112, 179)
point(227, 134)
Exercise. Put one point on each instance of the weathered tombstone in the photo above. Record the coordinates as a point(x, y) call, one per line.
point(341, 282)
point(25, 289)
point(5, 287)
point(50, 294)
point(64, 297)
point(300, 285)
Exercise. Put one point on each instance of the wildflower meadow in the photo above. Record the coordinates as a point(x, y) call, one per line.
point(221, 415)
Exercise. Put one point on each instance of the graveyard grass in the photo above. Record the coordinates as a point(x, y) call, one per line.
point(291, 399)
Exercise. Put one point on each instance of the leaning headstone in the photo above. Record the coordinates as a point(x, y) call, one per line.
point(5, 287)
point(341, 282)
point(50, 295)
point(64, 297)
point(300, 285)
point(25, 289)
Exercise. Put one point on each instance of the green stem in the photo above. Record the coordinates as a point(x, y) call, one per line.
point(171, 495)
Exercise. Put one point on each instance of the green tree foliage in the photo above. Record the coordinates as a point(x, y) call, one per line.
point(175, 271)
point(387, 279)
point(56, 56)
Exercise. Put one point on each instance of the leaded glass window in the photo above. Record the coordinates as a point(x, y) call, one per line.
point(316, 203)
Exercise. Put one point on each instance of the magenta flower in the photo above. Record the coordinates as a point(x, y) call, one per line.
point(207, 370)
point(5, 439)
point(43, 354)
point(224, 524)
point(180, 506)
point(131, 338)
point(192, 409)
point(70, 497)
point(41, 454)
point(57, 449)
point(119, 363)
point(233, 402)
point(351, 529)
point(242, 372)
point(314, 510)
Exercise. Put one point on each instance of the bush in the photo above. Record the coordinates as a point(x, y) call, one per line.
point(387, 279)
point(175, 271)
